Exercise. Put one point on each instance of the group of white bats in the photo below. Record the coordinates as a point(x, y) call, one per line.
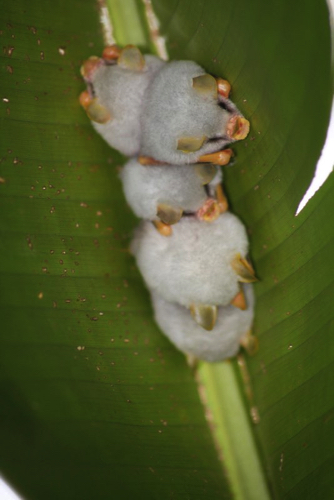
point(174, 120)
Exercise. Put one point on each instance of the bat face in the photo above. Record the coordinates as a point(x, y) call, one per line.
point(222, 342)
point(116, 92)
point(195, 264)
point(167, 192)
point(187, 116)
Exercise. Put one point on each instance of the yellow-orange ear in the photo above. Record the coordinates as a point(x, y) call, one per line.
point(206, 86)
point(131, 58)
point(190, 144)
point(204, 315)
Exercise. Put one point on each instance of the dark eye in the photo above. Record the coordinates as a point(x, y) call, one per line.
point(216, 139)
point(225, 105)
point(223, 137)
point(91, 89)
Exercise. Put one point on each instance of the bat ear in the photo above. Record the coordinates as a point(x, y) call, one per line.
point(206, 172)
point(169, 214)
point(244, 270)
point(205, 86)
point(190, 144)
point(131, 58)
point(95, 111)
point(205, 315)
point(98, 113)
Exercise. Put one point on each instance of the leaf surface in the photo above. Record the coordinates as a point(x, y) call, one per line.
point(96, 403)
point(277, 57)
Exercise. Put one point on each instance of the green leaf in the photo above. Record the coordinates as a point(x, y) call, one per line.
point(277, 58)
point(95, 402)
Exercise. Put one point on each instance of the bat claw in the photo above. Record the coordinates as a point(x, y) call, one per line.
point(239, 301)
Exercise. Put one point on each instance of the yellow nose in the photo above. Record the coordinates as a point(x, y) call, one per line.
point(237, 128)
